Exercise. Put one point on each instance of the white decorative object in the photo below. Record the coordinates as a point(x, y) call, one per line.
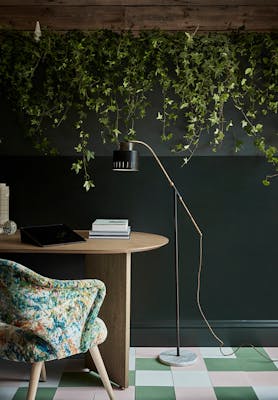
point(9, 228)
point(4, 203)
point(38, 32)
point(6, 226)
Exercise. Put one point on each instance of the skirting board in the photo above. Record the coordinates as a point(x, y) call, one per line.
point(233, 333)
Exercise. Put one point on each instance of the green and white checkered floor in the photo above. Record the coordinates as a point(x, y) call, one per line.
point(244, 376)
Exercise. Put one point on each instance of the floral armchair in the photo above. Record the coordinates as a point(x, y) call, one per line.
point(43, 319)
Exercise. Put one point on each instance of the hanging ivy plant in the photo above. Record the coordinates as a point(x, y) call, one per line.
point(112, 75)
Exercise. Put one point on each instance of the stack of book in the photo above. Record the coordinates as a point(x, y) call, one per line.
point(110, 229)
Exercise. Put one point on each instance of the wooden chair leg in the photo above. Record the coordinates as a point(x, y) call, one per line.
point(43, 373)
point(34, 380)
point(96, 356)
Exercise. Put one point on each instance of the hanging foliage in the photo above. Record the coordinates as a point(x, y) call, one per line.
point(112, 75)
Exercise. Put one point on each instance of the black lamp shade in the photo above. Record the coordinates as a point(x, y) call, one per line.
point(125, 159)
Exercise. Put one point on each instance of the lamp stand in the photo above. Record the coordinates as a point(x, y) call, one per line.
point(176, 357)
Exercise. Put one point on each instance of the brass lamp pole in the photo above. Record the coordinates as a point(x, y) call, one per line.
point(126, 159)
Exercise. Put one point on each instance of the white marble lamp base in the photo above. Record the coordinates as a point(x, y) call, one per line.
point(185, 358)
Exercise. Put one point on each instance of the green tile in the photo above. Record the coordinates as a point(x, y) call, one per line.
point(250, 360)
point(257, 365)
point(249, 352)
point(150, 364)
point(76, 379)
point(42, 393)
point(235, 393)
point(154, 393)
point(222, 364)
point(131, 378)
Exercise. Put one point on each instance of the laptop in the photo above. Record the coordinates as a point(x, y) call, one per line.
point(48, 235)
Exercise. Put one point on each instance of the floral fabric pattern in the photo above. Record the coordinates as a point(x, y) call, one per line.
point(42, 319)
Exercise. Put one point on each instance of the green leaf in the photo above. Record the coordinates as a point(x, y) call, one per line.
point(266, 182)
point(76, 167)
point(88, 184)
point(249, 71)
point(89, 155)
point(159, 116)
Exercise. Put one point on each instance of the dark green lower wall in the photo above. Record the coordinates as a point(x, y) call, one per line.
point(238, 217)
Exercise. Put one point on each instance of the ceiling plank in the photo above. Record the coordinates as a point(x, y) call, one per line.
point(172, 18)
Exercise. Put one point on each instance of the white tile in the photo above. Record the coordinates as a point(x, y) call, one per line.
point(153, 378)
point(266, 392)
point(214, 352)
point(191, 379)
point(7, 393)
point(132, 358)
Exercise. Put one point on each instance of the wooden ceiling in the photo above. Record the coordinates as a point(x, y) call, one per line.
point(135, 15)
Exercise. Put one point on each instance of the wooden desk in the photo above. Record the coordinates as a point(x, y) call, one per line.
point(110, 261)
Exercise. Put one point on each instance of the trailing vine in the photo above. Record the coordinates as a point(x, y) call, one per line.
point(112, 75)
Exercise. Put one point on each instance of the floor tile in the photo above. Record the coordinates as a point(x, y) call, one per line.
point(153, 378)
point(245, 376)
point(263, 378)
point(191, 379)
point(255, 362)
point(195, 393)
point(219, 364)
point(7, 393)
point(150, 364)
point(257, 365)
point(154, 393)
point(232, 393)
point(126, 394)
point(42, 394)
point(266, 393)
point(199, 365)
point(92, 393)
point(80, 393)
point(131, 378)
point(257, 353)
point(132, 358)
point(272, 352)
point(149, 352)
point(214, 352)
point(229, 378)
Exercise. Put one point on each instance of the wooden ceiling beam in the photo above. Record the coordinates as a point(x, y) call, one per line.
point(64, 15)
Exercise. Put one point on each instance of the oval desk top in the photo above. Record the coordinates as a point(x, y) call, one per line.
point(139, 241)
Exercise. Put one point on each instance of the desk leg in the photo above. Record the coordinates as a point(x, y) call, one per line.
point(114, 271)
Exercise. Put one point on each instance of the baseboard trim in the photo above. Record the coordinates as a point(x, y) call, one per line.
point(232, 332)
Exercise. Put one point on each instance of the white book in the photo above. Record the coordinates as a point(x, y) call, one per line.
point(110, 237)
point(110, 225)
point(110, 233)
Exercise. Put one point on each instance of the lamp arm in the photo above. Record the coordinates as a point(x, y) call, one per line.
point(197, 229)
point(171, 184)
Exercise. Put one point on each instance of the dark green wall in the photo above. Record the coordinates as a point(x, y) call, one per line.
point(236, 213)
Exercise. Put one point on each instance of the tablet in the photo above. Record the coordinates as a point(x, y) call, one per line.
point(47, 235)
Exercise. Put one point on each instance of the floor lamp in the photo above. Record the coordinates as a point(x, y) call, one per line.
point(126, 159)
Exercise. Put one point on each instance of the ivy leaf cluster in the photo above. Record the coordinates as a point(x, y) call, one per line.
point(113, 74)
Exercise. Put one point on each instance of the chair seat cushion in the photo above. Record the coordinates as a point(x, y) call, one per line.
point(18, 344)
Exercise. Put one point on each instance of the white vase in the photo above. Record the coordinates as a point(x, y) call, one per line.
point(4, 203)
